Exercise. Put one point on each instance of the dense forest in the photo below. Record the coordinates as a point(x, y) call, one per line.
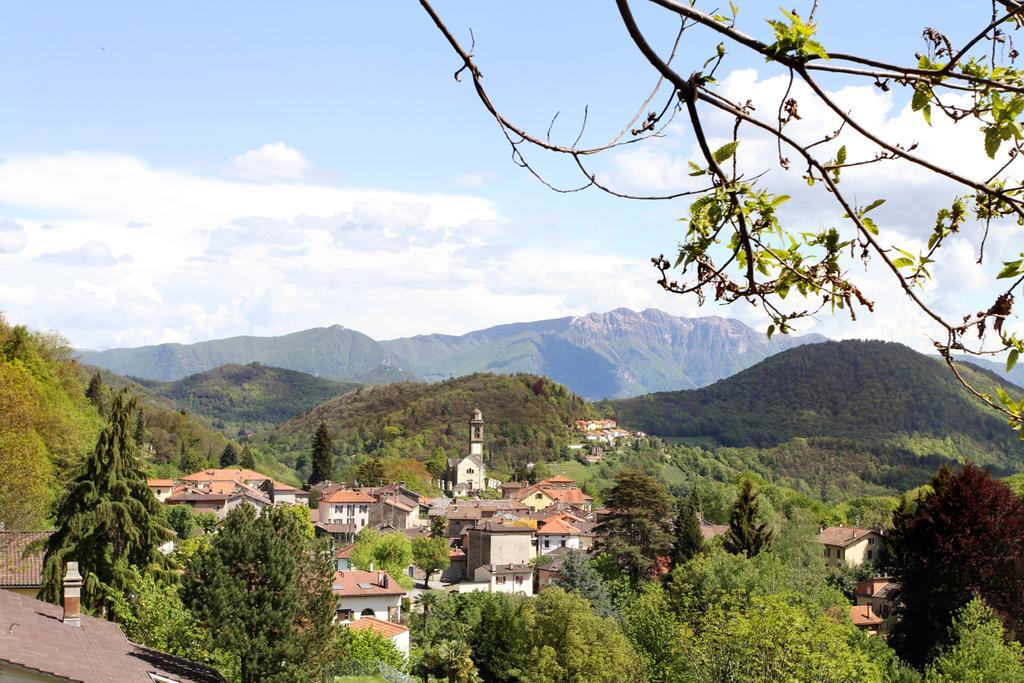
point(872, 392)
point(252, 397)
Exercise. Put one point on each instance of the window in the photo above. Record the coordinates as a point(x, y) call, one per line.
point(469, 471)
point(826, 551)
point(563, 542)
point(351, 510)
point(871, 554)
point(547, 542)
point(367, 613)
point(539, 495)
point(499, 580)
point(345, 614)
point(871, 540)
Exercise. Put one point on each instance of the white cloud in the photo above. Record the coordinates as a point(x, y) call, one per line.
point(90, 255)
point(470, 180)
point(12, 237)
point(272, 162)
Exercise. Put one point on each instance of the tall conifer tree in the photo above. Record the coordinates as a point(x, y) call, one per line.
point(323, 456)
point(639, 526)
point(109, 521)
point(248, 461)
point(229, 456)
point(96, 394)
point(688, 539)
point(263, 591)
point(746, 535)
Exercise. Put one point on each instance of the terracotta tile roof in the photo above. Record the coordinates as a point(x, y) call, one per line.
point(559, 527)
point(35, 638)
point(385, 628)
point(843, 536)
point(159, 482)
point(398, 504)
point(863, 615)
point(572, 495)
point(348, 496)
point(17, 570)
point(225, 474)
point(345, 551)
point(557, 479)
point(193, 496)
point(507, 568)
point(876, 588)
point(356, 582)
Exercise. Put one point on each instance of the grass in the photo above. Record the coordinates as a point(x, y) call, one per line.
point(359, 679)
point(576, 471)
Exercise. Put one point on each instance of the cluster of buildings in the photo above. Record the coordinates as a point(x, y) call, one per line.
point(600, 431)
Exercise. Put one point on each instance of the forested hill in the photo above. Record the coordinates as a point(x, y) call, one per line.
point(253, 396)
point(868, 391)
point(525, 415)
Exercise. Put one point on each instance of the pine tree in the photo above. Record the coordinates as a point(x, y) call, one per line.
point(746, 536)
point(688, 539)
point(964, 541)
point(263, 590)
point(141, 435)
point(248, 461)
point(576, 575)
point(323, 456)
point(188, 460)
point(229, 456)
point(97, 394)
point(639, 526)
point(109, 521)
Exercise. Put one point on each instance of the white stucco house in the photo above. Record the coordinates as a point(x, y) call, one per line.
point(557, 533)
point(367, 594)
point(396, 633)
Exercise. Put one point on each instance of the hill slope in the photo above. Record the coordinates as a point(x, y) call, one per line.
point(620, 353)
point(253, 396)
point(870, 392)
point(526, 419)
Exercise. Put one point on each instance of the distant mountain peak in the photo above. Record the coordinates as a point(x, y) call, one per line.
point(620, 352)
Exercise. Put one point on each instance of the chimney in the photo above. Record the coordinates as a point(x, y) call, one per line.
point(371, 566)
point(72, 596)
point(382, 580)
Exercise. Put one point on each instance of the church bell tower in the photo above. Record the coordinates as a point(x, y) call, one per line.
point(476, 434)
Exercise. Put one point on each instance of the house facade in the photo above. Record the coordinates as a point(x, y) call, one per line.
point(346, 506)
point(506, 578)
point(497, 543)
point(557, 533)
point(852, 545)
point(367, 594)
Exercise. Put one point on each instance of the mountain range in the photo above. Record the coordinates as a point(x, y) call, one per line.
point(599, 355)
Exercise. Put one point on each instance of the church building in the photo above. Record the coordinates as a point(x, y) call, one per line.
point(467, 475)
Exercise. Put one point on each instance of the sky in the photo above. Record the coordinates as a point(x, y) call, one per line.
point(184, 171)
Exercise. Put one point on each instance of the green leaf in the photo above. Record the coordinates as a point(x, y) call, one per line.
point(922, 96)
point(1011, 360)
point(841, 156)
point(771, 331)
point(992, 141)
point(873, 205)
point(1010, 269)
point(903, 262)
point(725, 151)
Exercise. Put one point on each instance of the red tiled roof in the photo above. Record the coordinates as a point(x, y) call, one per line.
point(348, 496)
point(225, 474)
point(17, 570)
point(843, 536)
point(557, 479)
point(572, 495)
point(159, 482)
point(345, 551)
point(385, 628)
point(863, 615)
point(356, 582)
point(709, 531)
point(559, 527)
point(36, 639)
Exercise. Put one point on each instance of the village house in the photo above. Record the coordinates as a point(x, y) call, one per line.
point(396, 633)
point(558, 489)
point(877, 594)
point(19, 572)
point(497, 543)
point(44, 642)
point(468, 474)
point(502, 578)
point(461, 514)
point(161, 488)
point(852, 545)
point(343, 514)
point(557, 533)
point(367, 594)
point(549, 569)
point(220, 498)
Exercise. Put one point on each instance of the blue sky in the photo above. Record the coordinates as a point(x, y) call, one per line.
point(199, 170)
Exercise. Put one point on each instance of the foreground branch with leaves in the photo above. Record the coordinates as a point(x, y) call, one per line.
point(737, 245)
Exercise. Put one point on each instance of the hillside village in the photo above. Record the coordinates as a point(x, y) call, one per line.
point(509, 537)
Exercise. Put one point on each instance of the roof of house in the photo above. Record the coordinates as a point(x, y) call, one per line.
point(356, 582)
point(507, 568)
point(558, 527)
point(35, 638)
point(345, 551)
point(843, 536)
point(557, 479)
point(335, 527)
point(492, 526)
point(570, 495)
point(225, 473)
point(348, 496)
point(475, 459)
point(16, 569)
point(863, 615)
point(281, 486)
point(876, 588)
point(193, 496)
point(385, 628)
point(159, 482)
point(398, 504)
